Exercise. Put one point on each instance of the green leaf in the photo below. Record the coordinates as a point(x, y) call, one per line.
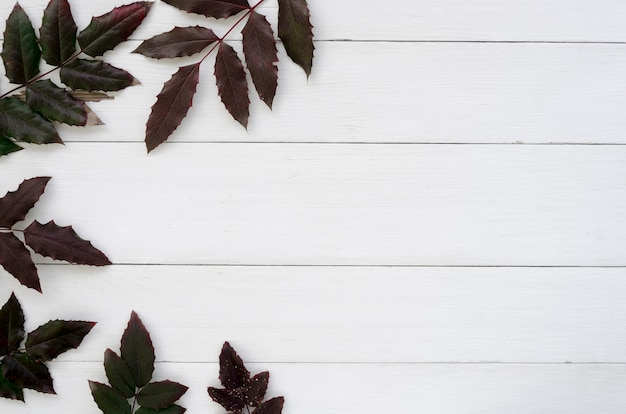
point(20, 50)
point(55, 337)
point(19, 121)
point(95, 75)
point(109, 30)
point(58, 33)
point(109, 400)
point(137, 351)
point(172, 409)
point(9, 389)
point(7, 146)
point(119, 374)
point(11, 326)
point(57, 104)
point(162, 394)
point(21, 369)
point(296, 32)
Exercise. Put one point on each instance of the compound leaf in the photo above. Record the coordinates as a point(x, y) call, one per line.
point(10, 389)
point(11, 326)
point(16, 204)
point(232, 84)
point(15, 258)
point(273, 406)
point(259, 48)
point(7, 146)
point(19, 121)
point(137, 351)
point(109, 30)
point(58, 105)
point(62, 243)
point(109, 400)
point(296, 32)
point(180, 41)
point(172, 105)
point(20, 50)
point(172, 409)
point(55, 337)
point(27, 372)
point(119, 374)
point(95, 75)
point(159, 395)
point(219, 9)
point(58, 33)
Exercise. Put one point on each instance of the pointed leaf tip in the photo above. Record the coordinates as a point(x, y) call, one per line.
point(259, 48)
point(15, 259)
point(16, 204)
point(58, 33)
point(137, 350)
point(296, 32)
point(232, 85)
point(56, 337)
point(20, 49)
point(219, 9)
point(11, 326)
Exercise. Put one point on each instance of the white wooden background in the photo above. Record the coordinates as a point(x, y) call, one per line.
point(434, 222)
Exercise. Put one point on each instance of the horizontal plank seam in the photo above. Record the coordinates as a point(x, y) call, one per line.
point(391, 363)
point(358, 265)
point(178, 142)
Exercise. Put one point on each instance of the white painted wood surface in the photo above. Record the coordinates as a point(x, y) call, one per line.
point(377, 242)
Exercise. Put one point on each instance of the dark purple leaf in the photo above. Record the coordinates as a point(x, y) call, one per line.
point(172, 105)
point(58, 105)
point(16, 204)
point(62, 243)
point(58, 33)
point(21, 369)
point(109, 30)
point(172, 409)
point(109, 400)
point(15, 258)
point(10, 390)
point(180, 41)
point(220, 9)
point(137, 351)
point(257, 387)
point(159, 395)
point(20, 50)
point(232, 84)
point(273, 406)
point(95, 75)
point(56, 337)
point(11, 326)
point(119, 374)
point(259, 48)
point(296, 32)
point(19, 121)
point(231, 399)
point(7, 146)
point(233, 373)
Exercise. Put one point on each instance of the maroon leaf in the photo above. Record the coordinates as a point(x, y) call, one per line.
point(109, 400)
point(56, 337)
point(10, 390)
point(259, 48)
point(109, 30)
point(20, 50)
point(95, 75)
point(58, 105)
point(119, 374)
point(137, 351)
point(172, 105)
point(273, 406)
point(230, 399)
point(180, 41)
point(232, 85)
point(16, 204)
point(15, 258)
point(62, 243)
point(21, 369)
point(220, 9)
point(257, 387)
point(159, 395)
point(58, 33)
point(172, 409)
point(233, 373)
point(11, 326)
point(296, 32)
point(19, 121)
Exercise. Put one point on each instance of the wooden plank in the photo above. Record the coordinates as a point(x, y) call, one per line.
point(343, 314)
point(321, 204)
point(311, 389)
point(450, 20)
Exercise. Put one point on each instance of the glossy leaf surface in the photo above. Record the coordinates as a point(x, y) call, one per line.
point(57, 104)
point(159, 395)
point(15, 259)
point(7, 146)
point(95, 75)
point(55, 337)
point(109, 400)
point(109, 30)
point(16, 204)
point(119, 374)
point(20, 49)
point(232, 84)
point(19, 121)
point(259, 49)
point(172, 105)
point(11, 326)
point(27, 372)
point(62, 243)
point(137, 350)
point(180, 41)
point(296, 32)
point(219, 9)
point(58, 33)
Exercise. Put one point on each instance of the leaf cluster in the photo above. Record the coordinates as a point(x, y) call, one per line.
point(259, 50)
point(51, 240)
point(25, 367)
point(74, 53)
point(240, 389)
point(130, 376)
